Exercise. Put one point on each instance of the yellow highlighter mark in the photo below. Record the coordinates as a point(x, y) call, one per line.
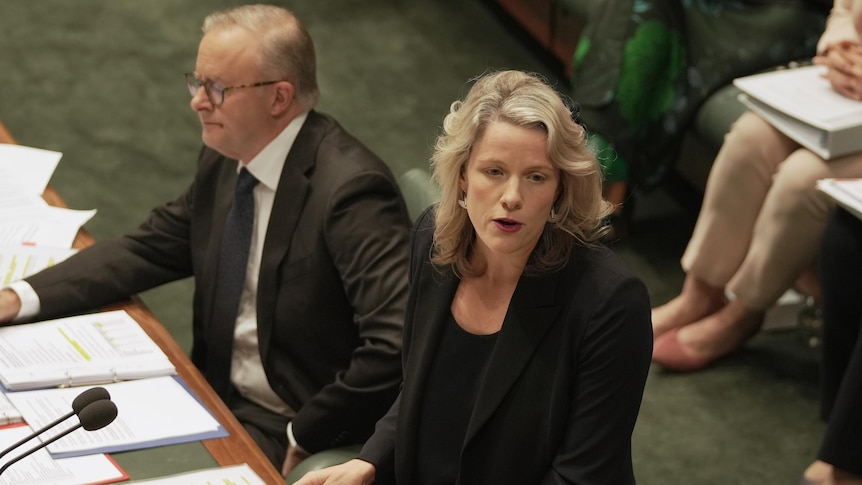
point(74, 343)
point(10, 276)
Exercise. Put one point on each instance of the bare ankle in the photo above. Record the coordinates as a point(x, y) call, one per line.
point(712, 296)
point(691, 305)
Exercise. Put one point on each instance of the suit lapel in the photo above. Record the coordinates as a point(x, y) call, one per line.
point(531, 313)
point(287, 206)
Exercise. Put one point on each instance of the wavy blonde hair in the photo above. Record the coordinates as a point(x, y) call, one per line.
point(522, 99)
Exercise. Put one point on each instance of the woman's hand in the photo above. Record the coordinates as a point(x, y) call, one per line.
point(354, 472)
point(844, 63)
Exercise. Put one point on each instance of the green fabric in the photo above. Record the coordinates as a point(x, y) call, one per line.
point(653, 56)
point(644, 67)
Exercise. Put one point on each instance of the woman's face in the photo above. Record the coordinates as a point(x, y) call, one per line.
point(511, 186)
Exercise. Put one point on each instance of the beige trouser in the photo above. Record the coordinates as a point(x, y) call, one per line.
point(762, 217)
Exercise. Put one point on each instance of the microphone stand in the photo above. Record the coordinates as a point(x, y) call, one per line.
point(39, 446)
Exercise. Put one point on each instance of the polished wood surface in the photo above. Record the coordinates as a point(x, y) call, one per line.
point(234, 449)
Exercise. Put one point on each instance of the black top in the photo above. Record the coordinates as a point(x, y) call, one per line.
point(561, 392)
point(453, 384)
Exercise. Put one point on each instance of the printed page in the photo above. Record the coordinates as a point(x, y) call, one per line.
point(15, 200)
point(26, 169)
point(45, 226)
point(236, 474)
point(40, 468)
point(19, 262)
point(76, 351)
point(846, 192)
point(9, 414)
point(151, 412)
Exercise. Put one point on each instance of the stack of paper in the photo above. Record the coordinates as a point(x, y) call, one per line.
point(802, 104)
point(9, 414)
point(19, 262)
point(45, 365)
point(77, 351)
point(151, 412)
point(25, 218)
point(846, 192)
point(40, 468)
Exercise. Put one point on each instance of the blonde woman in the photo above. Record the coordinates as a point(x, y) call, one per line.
point(527, 343)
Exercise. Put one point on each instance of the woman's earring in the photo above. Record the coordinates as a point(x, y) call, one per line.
point(553, 216)
point(463, 202)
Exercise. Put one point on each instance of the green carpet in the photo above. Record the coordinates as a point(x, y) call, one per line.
point(101, 81)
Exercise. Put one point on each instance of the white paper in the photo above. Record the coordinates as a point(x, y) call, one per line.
point(846, 192)
point(19, 262)
point(151, 412)
point(8, 412)
point(45, 226)
point(13, 200)
point(80, 350)
point(236, 474)
point(804, 94)
point(25, 169)
point(41, 469)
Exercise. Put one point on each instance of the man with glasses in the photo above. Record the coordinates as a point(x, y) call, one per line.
point(295, 233)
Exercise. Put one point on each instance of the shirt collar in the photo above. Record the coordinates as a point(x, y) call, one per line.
point(266, 166)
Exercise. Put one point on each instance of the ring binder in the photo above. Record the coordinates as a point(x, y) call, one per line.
point(91, 349)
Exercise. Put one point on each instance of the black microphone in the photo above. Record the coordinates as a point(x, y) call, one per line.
point(93, 416)
point(89, 396)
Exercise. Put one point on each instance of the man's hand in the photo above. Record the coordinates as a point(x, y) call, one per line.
point(10, 305)
point(354, 472)
point(844, 63)
point(291, 459)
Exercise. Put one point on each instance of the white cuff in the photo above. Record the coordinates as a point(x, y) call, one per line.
point(30, 304)
point(292, 439)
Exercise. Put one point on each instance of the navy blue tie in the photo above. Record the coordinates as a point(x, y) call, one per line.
point(233, 260)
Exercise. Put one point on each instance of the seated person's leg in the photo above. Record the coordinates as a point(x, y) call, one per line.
point(785, 241)
point(738, 184)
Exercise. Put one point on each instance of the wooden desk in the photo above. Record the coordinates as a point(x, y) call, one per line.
point(234, 449)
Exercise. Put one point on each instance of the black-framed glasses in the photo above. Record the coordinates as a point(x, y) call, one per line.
point(215, 91)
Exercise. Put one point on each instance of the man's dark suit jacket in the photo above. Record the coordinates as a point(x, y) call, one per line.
point(563, 387)
point(332, 285)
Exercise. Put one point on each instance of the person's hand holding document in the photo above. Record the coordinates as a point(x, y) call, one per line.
point(844, 68)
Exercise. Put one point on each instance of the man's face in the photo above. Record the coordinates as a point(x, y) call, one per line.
point(242, 125)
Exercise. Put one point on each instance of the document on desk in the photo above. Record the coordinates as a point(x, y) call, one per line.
point(26, 169)
point(42, 226)
point(40, 468)
point(79, 351)
point(236, 474)
point(846, 192)
point(150, 412)
point(16, 200)
point(802, 104)
point(9, 414)
point(19, 262)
